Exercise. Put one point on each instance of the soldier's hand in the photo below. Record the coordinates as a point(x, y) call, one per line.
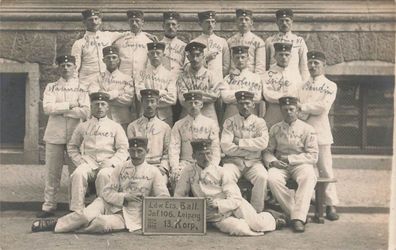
point(133, 197)
point(278, 164)
point(163, 170)
point(73, 105)
point(284, 159)
point(210, 56)
point(236, 140)
point(211, 203)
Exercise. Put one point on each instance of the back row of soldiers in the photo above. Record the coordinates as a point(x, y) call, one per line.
point(134, 75)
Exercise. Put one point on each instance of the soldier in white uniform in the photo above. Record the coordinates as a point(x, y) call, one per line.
point(157, 132)
point(244, 23)
point(156, 76)
point(279, 81)
point(196, 77)
point(193, 126)
point(174, 54)
point(226, 208)
point(121, 206)
point(118, 85)
point(316, 97)
point(66, 104)
point(292, 153)
point(216, 53)
point(96, 146)
point(88, 50)
point(243, 80)
point(243, 139)
point(298, 61)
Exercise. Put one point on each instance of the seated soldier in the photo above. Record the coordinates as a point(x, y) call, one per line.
point(226, 208)
point(121, 205)
point(243, 139)
point(193, 126)
point(157, 132)
point(96, 146)
point(292, 151)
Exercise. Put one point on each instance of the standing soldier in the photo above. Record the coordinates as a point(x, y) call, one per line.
point(157, 132)
point(316, 97)
point(216, 53)
point(243, 139)
point(279, 81)
point(196, 77)
point(88, 50)
point(193, 126)
point(298, 61)
point(292, 152)
point(244, 22)
point(118, 85)
point(158, 77)
point(244, 80)
point(66, 104)
point(96, 146)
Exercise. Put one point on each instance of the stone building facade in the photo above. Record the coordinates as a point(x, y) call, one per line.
point(358, 38)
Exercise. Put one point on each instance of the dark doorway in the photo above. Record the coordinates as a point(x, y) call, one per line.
point(12, 109)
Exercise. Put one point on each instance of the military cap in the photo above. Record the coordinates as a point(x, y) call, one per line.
point(110, 50)
point(138, 142)
point(65, 59)
point(244, 95)
point(284, 13)
point(243, 12)
point(135, 14)
point(149, 93)
point(316, 55)
point(206, 15)
point(90, 12)
point(240, 49)
point(155, 46)
point(288, 100)
point(283, 47)
point(99, 96)
point(195, 46)
point(192, 95)
point(201, 144)
point(171, 15)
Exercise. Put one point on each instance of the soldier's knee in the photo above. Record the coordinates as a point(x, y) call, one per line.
point(79, 172)
point(105, 173)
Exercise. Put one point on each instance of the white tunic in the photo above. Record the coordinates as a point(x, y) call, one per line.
point(174, 55)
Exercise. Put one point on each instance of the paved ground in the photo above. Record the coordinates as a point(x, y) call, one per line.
point(352, 231)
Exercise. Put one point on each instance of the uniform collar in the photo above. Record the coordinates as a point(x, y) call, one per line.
point(130, 164)
point(320, 78)
point(201, 71)
point(64, 81)
point(247, 34)
point(192, 118)
point(130, 33)
point(293, 124)
point(249, 118)
point(155, 70)
point(90, 33)
point(114, 73)
point(100, 119)
point(167, 39)
point(149, 119)
point(208, 36)
point(276, 67)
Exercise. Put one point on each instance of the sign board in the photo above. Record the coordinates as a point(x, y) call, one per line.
point(174, 215)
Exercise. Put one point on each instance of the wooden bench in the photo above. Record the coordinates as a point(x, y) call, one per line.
point(246, 187)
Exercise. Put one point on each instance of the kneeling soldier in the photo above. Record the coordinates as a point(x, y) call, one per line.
point(292, 151)
point(121, 205)
point(226, 208)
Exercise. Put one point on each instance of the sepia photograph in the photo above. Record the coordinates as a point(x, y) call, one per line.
point(187, 124)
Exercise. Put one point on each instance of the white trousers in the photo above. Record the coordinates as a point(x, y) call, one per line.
point(257, 175)
point(86, 79)
point(295, 205)
point(79, 183)
point(245, 221)
point(93, 219)
point(54, 161)
point(325, 169)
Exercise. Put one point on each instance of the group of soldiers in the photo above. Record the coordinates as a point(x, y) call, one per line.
point(137, 119)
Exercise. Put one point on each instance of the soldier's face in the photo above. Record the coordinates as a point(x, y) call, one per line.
point(155, 57)
point(138, 155)
point(240, 60)
point(66, 70)
point(316, 67)
point(284, 24)
point(289, 113)
point(244, 23)
point(93, 23)
point(170, 28)
point(208, 26)
point(202, 157)
point(150, 105)
point(196, 58)
point(245, 107)
point(99, 108)
point(112, 62)
point(282, 58)
point(136, 24)
point(194, 107)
